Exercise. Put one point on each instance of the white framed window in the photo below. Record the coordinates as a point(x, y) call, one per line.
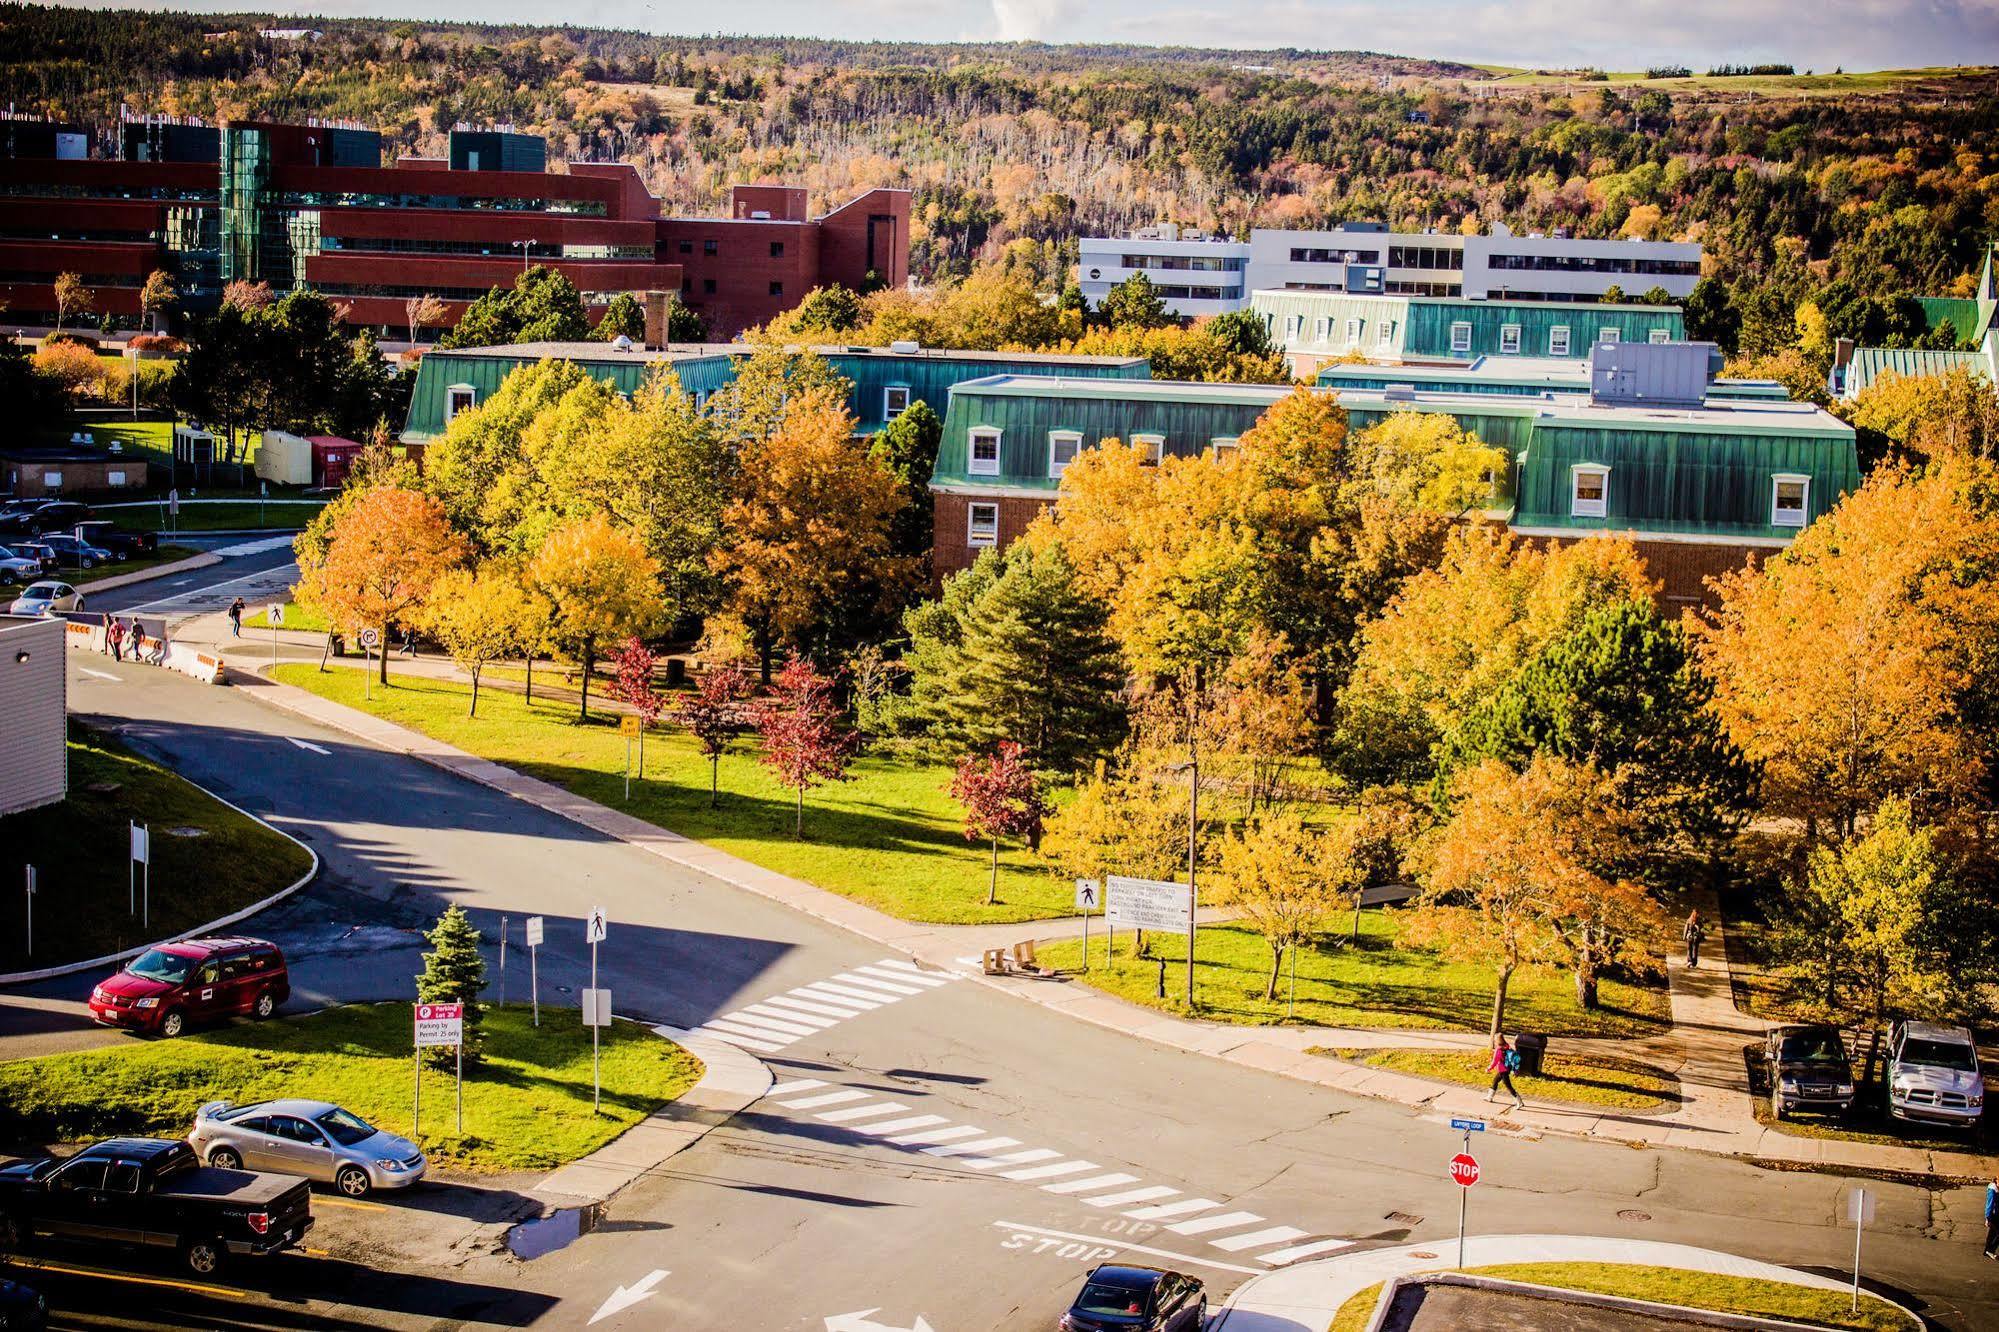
point(1292, 325)
point(1461, 336)
point(985, 451)
point(1659, 335)
point(1322, 329)
point(1384, 333)
point(1609, 333)
point(115, 479)
point(459, 398)
point(1509, 339)
point(1589, 491)
point(52, 480)
point(1558, 340)
point(981, 525)
point(1790, 499)
point(1063, 446)
point(1353, 331)
point(895, 401)
point(1154, 446)
point(1225, 448)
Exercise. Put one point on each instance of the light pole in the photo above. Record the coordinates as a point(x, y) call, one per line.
point(523, 246)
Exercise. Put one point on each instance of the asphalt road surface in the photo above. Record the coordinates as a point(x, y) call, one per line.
point(932, 1148)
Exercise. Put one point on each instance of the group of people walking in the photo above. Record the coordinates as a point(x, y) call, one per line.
point(121, 639)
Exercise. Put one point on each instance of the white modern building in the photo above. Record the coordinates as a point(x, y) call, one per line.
point(1370, 260)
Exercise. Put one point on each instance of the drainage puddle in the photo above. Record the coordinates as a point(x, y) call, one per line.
point(557, 1230)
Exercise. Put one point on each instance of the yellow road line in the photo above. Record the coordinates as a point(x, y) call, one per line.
point(197, 1287)
point(349, 1202)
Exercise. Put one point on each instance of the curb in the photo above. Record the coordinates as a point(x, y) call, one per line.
point(71, 968)
point(192, 562)
point(731, 1080)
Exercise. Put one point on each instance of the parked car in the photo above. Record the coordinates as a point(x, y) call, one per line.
point(73, 554)
point(123, 543)
point(46, 598)
point(316, 1139)
point(59, 515)
point(18, 568)
point(31, 548)
point(1137, 1299)
point(22, 1309)
point(165, 989)
point(1933, 1074)
point(152, 1193)
point(1809, 1069)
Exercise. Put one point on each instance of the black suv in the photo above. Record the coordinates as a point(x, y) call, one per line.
point(59, 516)
point(1137, 1299)
point(1809, 1070)
point(121, 542)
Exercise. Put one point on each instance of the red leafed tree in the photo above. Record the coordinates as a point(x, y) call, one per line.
point(1002, 798)
point(716, 713)
point(634, 688)
point(806, 740)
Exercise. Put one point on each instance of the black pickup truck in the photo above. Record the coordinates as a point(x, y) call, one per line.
point(152, 1193)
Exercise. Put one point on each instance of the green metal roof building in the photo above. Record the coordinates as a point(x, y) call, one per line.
point(1516, 377)
point(1314, 324)
point(885, 380)
point(1871, 364)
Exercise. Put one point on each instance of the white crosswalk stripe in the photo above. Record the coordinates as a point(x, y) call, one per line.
point(863, 1112)
point(1164, 1210)
point(1135, 1195)
point(1226, 1221)
point(811, 1022)
point(1049, 1171)
point(770, 1025)
point(785, 1001)
point(898, 1125)
point(870, 983)
point(963, 1148)
point(1012, 1158)
point(952, 1134)
point(757, 1022)
point(826, 1098)
point(1279, 1257)
point(1274, 1235)
point(795, 1086)
point(738, 1038)
point(1094, 1182)
point(905, 977)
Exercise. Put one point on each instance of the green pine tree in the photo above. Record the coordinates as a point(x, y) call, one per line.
point(454, 971)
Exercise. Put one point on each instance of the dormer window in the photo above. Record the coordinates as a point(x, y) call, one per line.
point(1558, 340)
point(1063, 447)
point(1658, 335)
point(895, 401)
point(1790, 500)
point(1461, 336)
point(1509, 339)
point(459, 398)
point(1609, 333)
point(1589, 492)
point(1153, 445)
point(1225, 448)
point(985, 452)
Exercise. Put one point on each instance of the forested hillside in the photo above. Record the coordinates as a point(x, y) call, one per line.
point(1013, 150)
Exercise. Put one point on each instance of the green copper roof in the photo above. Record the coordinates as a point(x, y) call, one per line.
point(1398, 328)
point(1870, 364)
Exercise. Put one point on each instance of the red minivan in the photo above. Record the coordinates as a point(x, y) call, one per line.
point(165, 989)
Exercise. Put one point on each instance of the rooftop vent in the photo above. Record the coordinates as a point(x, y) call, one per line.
point(1399, 393)
point(905, 348)
point(621, 343)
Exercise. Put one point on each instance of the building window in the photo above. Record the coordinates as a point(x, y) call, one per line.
point(1063, 446)
point(895, 401)
point(1225, 448)
point(777, 249)
point(1354, 327)
point(52, 480)
point(1461, 337)
point(777, 289)
point(687, 286)
point(1558, 340)
point(1659, 335)
point(687, 247)
point(707, 286)
point(709, 247)
point(1509, 339)
point(1322, 328)
point(1609, 334)
point(1154, 447)
point(982, 525)
point(1589, 492)
point(1790, 497)
point(1385, 333)
point(115, 478)
point(1292, 325)
point(459, 398)
point(985, 457)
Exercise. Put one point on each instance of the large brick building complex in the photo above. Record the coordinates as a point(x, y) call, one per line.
point(313, 205)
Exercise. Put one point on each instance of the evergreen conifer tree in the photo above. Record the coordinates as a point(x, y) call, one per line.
point(454, 971)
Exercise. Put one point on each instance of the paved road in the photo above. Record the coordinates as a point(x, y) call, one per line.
point(933, 1148)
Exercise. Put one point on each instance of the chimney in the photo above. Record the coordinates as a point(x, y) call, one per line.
point(658, 305)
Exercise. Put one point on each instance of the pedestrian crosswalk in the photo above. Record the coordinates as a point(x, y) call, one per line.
point(969, 1147)
point(771, 1024)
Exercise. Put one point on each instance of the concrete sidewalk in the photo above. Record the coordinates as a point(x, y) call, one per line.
point(1704, 1048)
point(1304, 1297)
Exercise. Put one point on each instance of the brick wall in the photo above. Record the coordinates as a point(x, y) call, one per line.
point(950, 552)
point(1683, 568)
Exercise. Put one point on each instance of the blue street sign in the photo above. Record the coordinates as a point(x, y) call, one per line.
point(1469, 1125)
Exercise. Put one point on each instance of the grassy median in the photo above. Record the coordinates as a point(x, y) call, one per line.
point(1373, 983)
point(890, 837)
point(208, 860)
point(527, 1106)
point(1672, 1285)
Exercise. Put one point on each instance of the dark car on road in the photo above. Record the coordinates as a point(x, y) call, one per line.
point(166, 989)
point(59, 516)
point(22, 1309)
point(123, 543)
point(74, 554)
point(1139, 1299)
point(151, 1193)
point(1809, 1070)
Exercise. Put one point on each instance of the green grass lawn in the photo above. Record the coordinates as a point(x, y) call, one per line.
point(1611, 1084)
point(1370, 984)
point(296, 617)
point(279, 514)
point(527, 1107)
point(890, 837)
point(1672, 1285)
point(208, 860)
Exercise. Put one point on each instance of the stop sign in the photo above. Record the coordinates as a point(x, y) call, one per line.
point(1464, 1170)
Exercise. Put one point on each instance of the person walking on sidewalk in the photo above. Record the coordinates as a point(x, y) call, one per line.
point(1504, 1060)
point(105, 619)
point(114, 639)
point(236, 618)
point(1692, 934)
point(1992, 1219)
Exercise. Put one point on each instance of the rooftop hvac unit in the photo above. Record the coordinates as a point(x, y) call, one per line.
point(905, 348)
point(760, 215)
point(1399, 393)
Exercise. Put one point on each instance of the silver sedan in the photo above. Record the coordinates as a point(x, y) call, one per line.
point(316, 1139)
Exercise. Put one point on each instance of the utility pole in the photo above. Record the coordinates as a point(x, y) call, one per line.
point(1193, 817)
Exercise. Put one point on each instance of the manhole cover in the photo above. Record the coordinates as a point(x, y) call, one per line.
point(1630, 1215)
point(1422, 1253)
point(1403, 1218)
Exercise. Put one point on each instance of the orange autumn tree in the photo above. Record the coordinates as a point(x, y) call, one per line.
point(385, 553)
point(1857, 666)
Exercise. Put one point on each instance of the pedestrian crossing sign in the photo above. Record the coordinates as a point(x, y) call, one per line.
point(1089, 895)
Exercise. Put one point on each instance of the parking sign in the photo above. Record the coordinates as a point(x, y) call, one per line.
point(439, 1024)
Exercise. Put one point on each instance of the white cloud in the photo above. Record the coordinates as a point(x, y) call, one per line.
point(1025, 20)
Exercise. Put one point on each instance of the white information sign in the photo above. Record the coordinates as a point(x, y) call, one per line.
point(1089, 895)
point(439, 1024)
point(1147, 904)
point(534, 931)
point(597, 927)
point(596, 1008)
point(142, 845)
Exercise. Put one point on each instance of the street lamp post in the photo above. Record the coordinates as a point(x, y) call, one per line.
point(523, 246)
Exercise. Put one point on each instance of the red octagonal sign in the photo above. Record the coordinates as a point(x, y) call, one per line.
point(1464, 1169)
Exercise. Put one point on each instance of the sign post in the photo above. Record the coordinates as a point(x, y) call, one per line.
point(1089, 895)
point(1464, 1173)
point(596, 1015)
point(628, 727)
point(1860, 1209)
point(437, 1024)
point(31, 911)
point(503, 961)
point(369, 639)
point(594, 930)
point(274, 616)
point(142, 854)
point(534, 969)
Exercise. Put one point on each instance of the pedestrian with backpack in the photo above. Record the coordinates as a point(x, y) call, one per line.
point(1505, 1059)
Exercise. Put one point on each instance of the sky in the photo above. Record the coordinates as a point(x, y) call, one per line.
point(1612, 34)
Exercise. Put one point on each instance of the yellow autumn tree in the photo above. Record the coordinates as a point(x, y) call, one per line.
point(1931, 416)
point(1283, 879)
point(602, 588)
point(385, 553)
point(472, 615)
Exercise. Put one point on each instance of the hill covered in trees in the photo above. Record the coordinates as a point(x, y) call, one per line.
point(1013, 150)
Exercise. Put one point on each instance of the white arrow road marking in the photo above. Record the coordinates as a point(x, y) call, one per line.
point(102, 675)
point(307, 744)
point(624, 1297)
point(862, 1322)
